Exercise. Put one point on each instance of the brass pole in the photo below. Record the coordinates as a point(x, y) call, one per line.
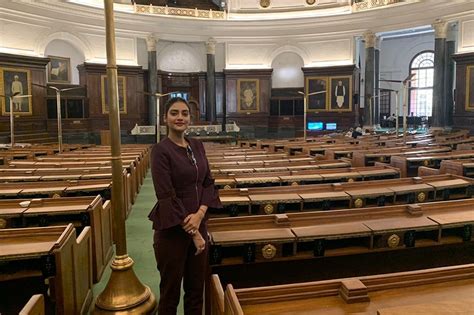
point(12, 129)
point(60, 129)
point(396, 113)
point(305, 113)
point(124, 293)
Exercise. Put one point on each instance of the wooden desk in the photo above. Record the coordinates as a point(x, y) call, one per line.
point(446, 290)
point(57, 256)
point(361, 194)
point(81, 211)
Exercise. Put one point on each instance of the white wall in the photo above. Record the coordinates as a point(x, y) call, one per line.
point(142, 53)
point(466, 35)
point(61, 48)
point(181, 57)
point(192, 50)
point(395, 57)
point(316, 51)
point(220, 57)
point(287, 71)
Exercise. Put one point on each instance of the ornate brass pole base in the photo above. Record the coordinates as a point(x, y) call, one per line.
point(124, 293)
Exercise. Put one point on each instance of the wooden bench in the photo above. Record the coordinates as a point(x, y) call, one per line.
point(47, 254)
point(293, 247)
point(302, 177)
point(459, 134)
point(456, 144)
point(137, 171)
point(267, 200)
point(35, 306)
point(369, 157)
point(408, 165)
point(213, 154)
point(254, 157)
point(290, 165)
point(134, 179)
point(344, 232)
point(81, 211)
point(56, 189)
point(464, 167)
point(436, 291)
point(59, 174)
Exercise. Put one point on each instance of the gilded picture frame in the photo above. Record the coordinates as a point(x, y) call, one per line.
point(122, 91)
point(248, 95)
point(14, 80)
point(469, 105)
point(59, 69)
point(318, 102)
point(340, 99)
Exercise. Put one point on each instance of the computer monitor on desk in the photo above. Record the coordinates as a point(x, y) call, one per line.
point(315, 126)
point(331, 126)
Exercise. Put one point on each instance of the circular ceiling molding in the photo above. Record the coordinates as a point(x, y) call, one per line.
point(264, 3)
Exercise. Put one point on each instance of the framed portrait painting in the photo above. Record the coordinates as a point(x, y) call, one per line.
point(15, 81)
point(469, 88)
point(59, 70)
point(340, 94)
point(248, 95)
point(319, 100)
point(122, 91)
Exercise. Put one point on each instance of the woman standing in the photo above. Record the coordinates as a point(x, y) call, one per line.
point(185, 190)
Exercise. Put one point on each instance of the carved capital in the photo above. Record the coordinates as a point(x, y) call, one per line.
point(211, 46)
point(369, 38)
point(151, 42)
point(440, 28)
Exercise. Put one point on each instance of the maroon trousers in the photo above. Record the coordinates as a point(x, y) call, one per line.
point(176, 261)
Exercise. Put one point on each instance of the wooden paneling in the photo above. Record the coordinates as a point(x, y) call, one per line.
point(90, 75)
point(462, 118)
point(256, 121)
point(191, 83)
point(344, 120)
point(37, 67)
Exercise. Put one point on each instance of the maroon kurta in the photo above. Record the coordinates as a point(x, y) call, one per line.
point(180, 186)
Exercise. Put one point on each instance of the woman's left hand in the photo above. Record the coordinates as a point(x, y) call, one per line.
point(192, 222)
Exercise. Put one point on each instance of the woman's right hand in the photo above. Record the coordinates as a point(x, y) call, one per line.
point(199, 243)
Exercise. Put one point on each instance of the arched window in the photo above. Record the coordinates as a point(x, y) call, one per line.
point(421, 88)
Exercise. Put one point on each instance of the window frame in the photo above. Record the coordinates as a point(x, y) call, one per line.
point(411, 69)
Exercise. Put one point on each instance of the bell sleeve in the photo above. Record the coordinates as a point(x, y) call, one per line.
point(169, 210)
point(210, 193)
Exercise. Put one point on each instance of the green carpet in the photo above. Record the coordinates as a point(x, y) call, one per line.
point(140, 243)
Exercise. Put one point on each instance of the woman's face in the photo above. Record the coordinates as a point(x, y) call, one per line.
point(178, 117)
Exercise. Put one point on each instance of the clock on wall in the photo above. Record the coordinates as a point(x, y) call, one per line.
point(264, 3)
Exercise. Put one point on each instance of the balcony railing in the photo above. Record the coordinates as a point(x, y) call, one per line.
point(182, 12)
point(370, 4)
